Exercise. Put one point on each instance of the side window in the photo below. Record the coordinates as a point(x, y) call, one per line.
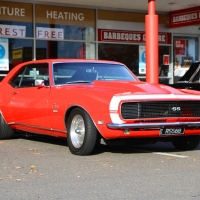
point(27, 76)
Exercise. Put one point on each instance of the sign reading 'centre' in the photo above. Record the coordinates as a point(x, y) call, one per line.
point(130, 36)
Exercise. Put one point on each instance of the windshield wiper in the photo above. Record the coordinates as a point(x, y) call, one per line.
point(80, 81)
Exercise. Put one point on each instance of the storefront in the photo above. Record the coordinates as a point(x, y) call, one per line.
point(35, 31)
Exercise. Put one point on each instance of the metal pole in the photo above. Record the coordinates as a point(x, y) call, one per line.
point(151, 29)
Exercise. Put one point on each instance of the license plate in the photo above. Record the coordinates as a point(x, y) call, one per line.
point(172, 131)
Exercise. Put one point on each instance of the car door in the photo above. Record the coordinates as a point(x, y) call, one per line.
point(28, 102)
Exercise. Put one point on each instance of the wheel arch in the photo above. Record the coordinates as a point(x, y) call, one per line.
point(69, 110)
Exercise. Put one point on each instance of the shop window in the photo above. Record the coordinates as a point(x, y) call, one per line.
point(130, 56)
point(66, 32)
point(16, 29)
point(185, 53)
point(62, 49)
point(126, 54)
point(19, 51)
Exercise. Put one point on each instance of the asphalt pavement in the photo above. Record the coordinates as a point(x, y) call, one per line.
point(43, 168)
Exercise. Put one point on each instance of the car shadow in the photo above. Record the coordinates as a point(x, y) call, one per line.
point(102, 148)
point(163, 147)
point(41, 138)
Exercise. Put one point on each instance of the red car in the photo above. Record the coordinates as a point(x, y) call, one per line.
point(89, 100)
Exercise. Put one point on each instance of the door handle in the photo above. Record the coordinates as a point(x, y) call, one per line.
point(14, 93)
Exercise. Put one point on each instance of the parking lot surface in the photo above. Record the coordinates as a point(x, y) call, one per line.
point(41, 167)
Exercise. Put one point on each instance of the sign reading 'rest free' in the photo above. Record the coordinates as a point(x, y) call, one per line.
point(185, 17)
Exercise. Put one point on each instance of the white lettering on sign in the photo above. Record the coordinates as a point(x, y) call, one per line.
point(18, 12)
point(178, 44)
point(65, 15)
point(121, 36)
point(162, 38)
point(49, 33)
point(185, 17)
point(135, 37)
point(12, 30)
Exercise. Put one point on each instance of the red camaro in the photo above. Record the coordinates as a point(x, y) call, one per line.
point(89, 100)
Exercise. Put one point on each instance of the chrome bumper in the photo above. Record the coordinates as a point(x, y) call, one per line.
point(152, 125)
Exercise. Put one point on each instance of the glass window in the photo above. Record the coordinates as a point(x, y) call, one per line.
point(69, 32)
point(28, 28)
point(62, 49)
point(185, 53)
point(27, 75)
point(126, 54)
point(129, 55)
point(20, 50)
point(67, 73)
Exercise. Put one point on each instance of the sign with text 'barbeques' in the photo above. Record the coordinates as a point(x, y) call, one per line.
point(185, 17)
point(108, 35)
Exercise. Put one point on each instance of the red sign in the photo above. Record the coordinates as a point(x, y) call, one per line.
point(165, 59)
point(129, 36)
point(180, 47)
point(185, 17)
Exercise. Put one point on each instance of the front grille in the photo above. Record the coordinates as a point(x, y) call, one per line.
point(164, 109)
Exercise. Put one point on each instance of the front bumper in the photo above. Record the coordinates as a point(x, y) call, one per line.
point(153, 125)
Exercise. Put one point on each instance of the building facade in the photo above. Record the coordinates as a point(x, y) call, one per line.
point(31, 31)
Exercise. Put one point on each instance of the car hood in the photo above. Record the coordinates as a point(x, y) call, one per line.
point(133, 87)
point(128, 90)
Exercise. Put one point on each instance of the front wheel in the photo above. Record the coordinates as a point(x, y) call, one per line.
point(186, 143)
point(81, 132)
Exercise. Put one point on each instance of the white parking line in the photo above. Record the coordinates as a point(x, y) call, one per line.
point(160, 153)
point(169, 154)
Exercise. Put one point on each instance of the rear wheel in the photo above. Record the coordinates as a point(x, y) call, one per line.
point(81, 132)
point(5, 131)
point(186, 143)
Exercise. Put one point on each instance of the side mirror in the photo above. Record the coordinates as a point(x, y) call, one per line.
point(39, 83)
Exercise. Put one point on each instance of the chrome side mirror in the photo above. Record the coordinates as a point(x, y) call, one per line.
point(39, 83)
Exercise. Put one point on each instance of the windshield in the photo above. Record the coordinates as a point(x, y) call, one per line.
point(70, 73)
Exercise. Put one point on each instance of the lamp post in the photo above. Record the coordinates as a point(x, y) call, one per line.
point(151, 29)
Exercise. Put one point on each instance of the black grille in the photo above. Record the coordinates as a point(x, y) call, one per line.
point(138, 110)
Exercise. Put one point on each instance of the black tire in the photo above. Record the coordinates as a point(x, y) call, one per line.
point(81, 132)
point(186, 143)
point(5, 131)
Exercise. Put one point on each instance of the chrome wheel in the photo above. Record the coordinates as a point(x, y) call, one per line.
point(81, 132)
point(77, 132)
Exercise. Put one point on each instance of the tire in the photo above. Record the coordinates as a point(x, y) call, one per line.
point(5, 131)
point(81, 132)
point(186, 143)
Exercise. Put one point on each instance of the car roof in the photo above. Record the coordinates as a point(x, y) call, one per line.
point(73, 60)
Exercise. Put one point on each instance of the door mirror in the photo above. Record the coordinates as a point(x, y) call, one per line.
point(39, 83)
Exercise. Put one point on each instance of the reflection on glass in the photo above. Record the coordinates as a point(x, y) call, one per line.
point(127, 54)
point(185, 53)
point(63, 49)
